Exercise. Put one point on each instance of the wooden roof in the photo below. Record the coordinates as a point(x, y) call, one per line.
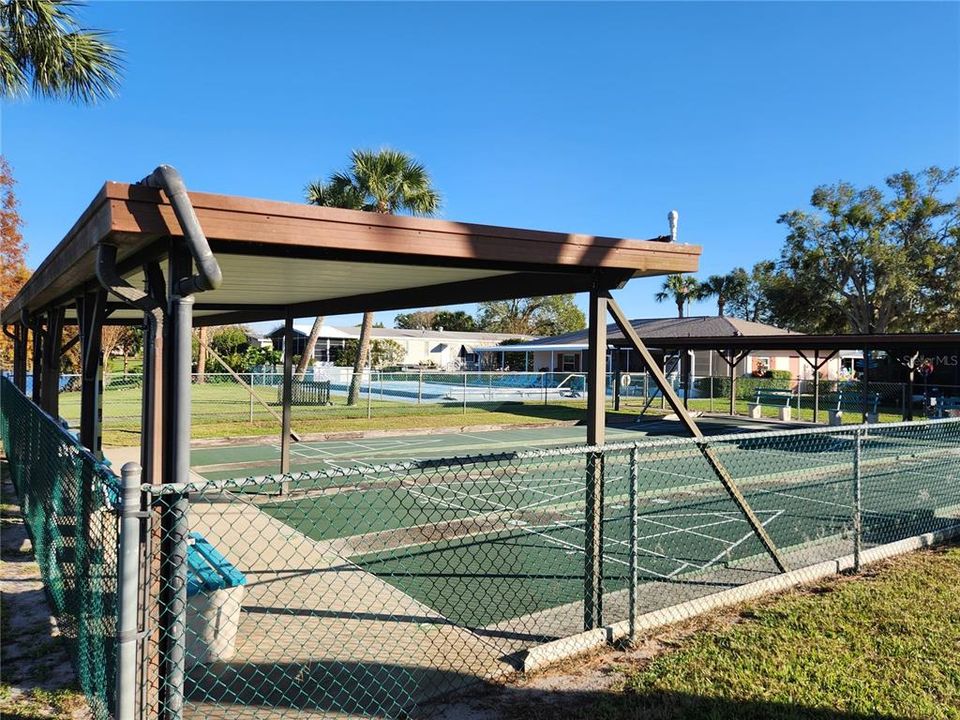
point(282, 258)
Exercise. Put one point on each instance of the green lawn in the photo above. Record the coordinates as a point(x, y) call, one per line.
point(883, 645)
point(226, 409)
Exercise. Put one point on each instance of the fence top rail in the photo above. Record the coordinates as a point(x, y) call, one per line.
point(99, 466)
point(650, 444)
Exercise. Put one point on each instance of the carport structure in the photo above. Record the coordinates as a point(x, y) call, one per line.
point(814, 349)
point(152, 254)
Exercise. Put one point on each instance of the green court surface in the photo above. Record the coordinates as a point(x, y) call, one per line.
point(485, 542)
point(249, 459)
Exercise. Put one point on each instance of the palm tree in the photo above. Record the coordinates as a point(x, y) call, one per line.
point(309, 347)
point(384, 181)
point(679, 288)
point(44, 49)
point(725, 288)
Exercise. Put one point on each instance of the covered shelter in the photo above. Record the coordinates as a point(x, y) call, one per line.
point(151, 253)
point(155, 255)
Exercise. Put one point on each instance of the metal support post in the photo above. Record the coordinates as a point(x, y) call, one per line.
point(866, 382)
point(857, 501)
point(128, 592)
point(153, 393)
point(20, 356)
point(634, 475)
point(175, 428)
point(420, 387)
point(36, 373)
point(464, 393)
point(615, 363)
point(710, 373)
point(174, 529)
point(90, 314)
point(596, 435)
point(50, 386)
point(816, 385)
point(733, 361)
point(286, 400)
point(177, 411)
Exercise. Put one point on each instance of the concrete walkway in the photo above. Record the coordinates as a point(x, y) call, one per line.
point(321, 636)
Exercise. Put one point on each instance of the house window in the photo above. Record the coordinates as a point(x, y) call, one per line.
point(761, 365)
point(568, 362)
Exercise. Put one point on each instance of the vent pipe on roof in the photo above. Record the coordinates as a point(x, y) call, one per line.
point(208, 277)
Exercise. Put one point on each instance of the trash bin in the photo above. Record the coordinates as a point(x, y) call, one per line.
point(215, 591)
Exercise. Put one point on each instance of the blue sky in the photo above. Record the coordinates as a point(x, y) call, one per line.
point(594, 118)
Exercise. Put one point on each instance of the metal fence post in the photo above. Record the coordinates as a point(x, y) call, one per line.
point(543, 380)
point(857, 501)
point(464, 393)
point(251, 397)
point(369, 390)
point(128, 591)
point(593, 542)
point(633, 544)
point(173, 603)
point(420, 387)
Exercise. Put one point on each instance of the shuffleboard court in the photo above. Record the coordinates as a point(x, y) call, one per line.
point(487, 542)
point(250, 458)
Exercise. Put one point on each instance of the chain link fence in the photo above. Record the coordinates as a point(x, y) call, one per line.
point(69, 503)
point(379, 590)
point(250, 404)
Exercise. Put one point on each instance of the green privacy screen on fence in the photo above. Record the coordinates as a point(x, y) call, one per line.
point(69, 501)
point(379, 590)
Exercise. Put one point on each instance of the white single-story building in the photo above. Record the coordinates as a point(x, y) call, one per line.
point(441, 349)
point(567, 353)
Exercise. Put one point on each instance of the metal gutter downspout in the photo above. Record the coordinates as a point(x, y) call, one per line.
point(176, 435)
point(208, 277)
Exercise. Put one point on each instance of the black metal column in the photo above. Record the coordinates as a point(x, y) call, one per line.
point(20, 356)
point(866, 382)
point(286, 399)
point(50, 386)
point(90, 313)
point(177, 361)
point(596, 435)
point(36, 373)
point(152, 392)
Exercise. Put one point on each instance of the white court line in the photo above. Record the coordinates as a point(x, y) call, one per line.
point(608, 558)
point(692, 532)
point(746, 537)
